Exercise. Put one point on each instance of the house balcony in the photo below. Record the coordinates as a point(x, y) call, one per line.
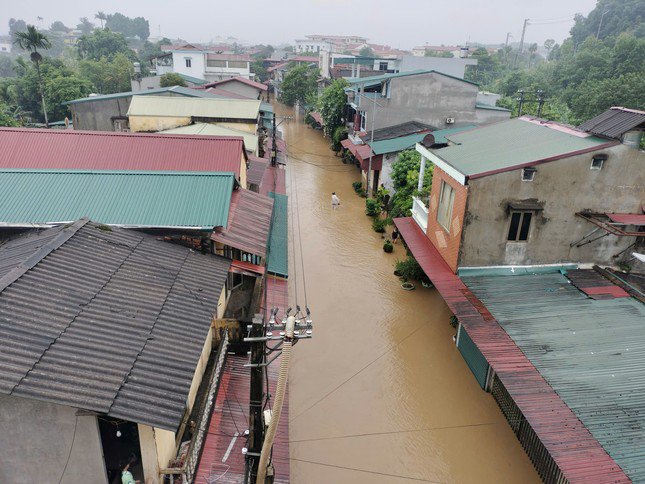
point(420, 213)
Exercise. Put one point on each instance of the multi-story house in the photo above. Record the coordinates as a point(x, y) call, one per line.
point(203, 63)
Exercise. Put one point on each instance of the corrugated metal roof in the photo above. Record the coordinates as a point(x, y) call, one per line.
point(614, 122)
point(249, 222)
point(404, 142)
point(592, 352)
point(278, 258)
point(397, 130)
point(180, 90)
point(373, 80)
point(112, 321)
point(218, 108)
point(208, 129)
point(256, 169)
point(127, 198)
point(95, 150)
point(510, 144)
point(243, 80)
point(491, 108)
point(194, 80)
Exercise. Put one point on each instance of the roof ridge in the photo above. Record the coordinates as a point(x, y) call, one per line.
point(43, 251)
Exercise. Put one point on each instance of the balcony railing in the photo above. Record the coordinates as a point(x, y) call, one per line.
point(420, 213)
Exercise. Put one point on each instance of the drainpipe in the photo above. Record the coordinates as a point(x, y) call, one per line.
point(421, 172)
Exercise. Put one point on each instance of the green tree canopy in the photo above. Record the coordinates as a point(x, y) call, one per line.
point(104, 43)
point(299, 85)
point(108, 75)
point(616, 15)
point(438, 53)
point(405, 177)
point(257, 67)
point(62, 89)
point(59, 26)
point(85, 26)
point(331, 105)
point(366, 52)
point(171, 79)
point(127, 26)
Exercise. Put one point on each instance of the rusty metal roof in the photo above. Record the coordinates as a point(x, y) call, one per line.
point(243, 80)
point(96, 150)
point(111, 321)
point(256, 169)
point(614, 122)
point(249, 222)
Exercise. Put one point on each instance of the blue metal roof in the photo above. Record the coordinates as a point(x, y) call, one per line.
point(401, 143)
point(592, 352)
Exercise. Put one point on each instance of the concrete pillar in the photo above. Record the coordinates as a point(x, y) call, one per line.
point(422, 172)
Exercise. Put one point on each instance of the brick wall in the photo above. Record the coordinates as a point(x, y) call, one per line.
point(447, 242)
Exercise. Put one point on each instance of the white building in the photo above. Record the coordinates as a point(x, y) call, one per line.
point(5, 44)
point(327, 43)
point(203, 63)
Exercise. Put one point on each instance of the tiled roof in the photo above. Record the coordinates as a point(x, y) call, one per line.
point(243, 80)
point(115, 324)
point(97, 150)
point(514, 143)
point(150, 199)
point(614, 122)
point(163, 106)
point(249, 222)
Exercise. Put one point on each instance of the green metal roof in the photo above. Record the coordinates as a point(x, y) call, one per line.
point(401, 143)
point(194, 80)
point(592, 352)
point(197, 200)
point(180, 90)
point(278, 259)
point(512, 143)
point(370, 81)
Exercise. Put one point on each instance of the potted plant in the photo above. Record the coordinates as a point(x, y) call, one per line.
point(387, 246)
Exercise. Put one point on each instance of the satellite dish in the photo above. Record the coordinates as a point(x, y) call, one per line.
point(428, 140)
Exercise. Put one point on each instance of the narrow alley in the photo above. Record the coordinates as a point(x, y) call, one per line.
point(381, 393)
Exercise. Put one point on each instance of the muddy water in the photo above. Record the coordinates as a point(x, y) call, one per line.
point(381, 394)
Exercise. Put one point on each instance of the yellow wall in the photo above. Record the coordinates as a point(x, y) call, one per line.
point(243, 172)
point(150, 124)
point(250, 127)
point(149, 454)
point(221, 304)
point(166, 449)
point(200, 369)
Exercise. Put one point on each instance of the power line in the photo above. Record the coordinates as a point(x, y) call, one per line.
point(70, 451)
point(365, 470)
point(302, 261)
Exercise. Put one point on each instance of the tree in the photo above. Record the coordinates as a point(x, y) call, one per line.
point(172, 79)
point(62, 89)
point(32, 40)
point(6, 66)
point(108, 76)
point(486, 70)
point(7, 117)
point(331, 105)
point(299, 85)
point(438, 53)
point(405, 178)
point(548, 45)
point(58, 26)
point(259, 70)
point(366, 52)
point(18, 25)
point(616, 16)
point(85, 26)
point(127, 26)
point(101, 17)
point(532, 51)
point(104, 43)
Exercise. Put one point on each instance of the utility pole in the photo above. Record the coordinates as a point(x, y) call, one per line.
point(540, 98)
point(256, 423)
point(274, 148)
point(369, 166)
point(519, 50)
point(521, 100)
point(508, 36)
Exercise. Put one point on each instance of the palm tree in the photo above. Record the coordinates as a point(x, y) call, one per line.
point(101, 16)
point(32, 40)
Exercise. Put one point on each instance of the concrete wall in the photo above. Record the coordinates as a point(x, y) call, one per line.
point(451, 66)
point(152, 124)
point(99, 115)
point(429, 98)
point(563, 187)
point(487, 116)
point(447, 241)
point(386, 170)
point(198, 63)
point(38, 439)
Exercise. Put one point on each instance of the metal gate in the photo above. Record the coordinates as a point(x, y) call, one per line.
point(474, 358)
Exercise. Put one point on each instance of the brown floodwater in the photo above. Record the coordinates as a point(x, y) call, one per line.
point(381, 393)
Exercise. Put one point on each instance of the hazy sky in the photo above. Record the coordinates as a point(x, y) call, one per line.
point(400, 23)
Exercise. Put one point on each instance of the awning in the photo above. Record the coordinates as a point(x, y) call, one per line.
point(627, 218)
point(246, 268)
point(317, 117)
point(362, 154)
point(612, 223)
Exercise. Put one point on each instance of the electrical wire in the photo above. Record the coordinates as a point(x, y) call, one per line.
point(356, 469)
point(302, 261)
point(69, 455)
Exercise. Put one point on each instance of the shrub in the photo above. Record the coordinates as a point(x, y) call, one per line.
point(339, 134)
point(372, 207)
point(358, 186)
point(379, 225)
point(409, 268)
point(388, 247)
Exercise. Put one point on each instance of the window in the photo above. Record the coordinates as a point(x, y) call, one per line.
point(446, 202)
point(215, 63)
point(363, 120)
point(518, 230)
point(238, 64)
point(189, 62)
point(382, 66)
point(597, 161)
point(528, 174)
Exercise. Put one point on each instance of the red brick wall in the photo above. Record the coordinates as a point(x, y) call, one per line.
point(447, 242)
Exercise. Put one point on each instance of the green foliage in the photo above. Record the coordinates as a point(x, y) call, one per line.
point(409, 269)
point(61, 89)
point(405, 177)
point(487, 68)
point(85, 26)
point(358, 186)
point(387, 246)
point(108, 75)
point(127, 26)
point(340, 134)
point(298, 85)
point(16, 25)
point(171, 79)
point(6, 66)
point(7, 117)
point(331, 105)
point(372, 207)
point(104, 43)
point(366, 52)
point(619, 16)
point(439, 53)
point(379, 224)
point(59, 26)
point(257, 67)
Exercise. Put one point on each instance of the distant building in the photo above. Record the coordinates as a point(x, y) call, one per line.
point(454, 50)
point(5, 44)
point(202, 62)
point(331, 43)
point(239, 85)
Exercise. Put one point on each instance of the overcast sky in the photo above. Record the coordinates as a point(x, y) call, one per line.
point(399, 23)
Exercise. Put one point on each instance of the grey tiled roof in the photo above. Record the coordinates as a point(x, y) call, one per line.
point(108, 320)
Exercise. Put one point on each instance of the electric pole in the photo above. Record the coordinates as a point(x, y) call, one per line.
point(540, 98)
point(256, 424)
point(519, 50)
point(521, 101)
point(274, 148)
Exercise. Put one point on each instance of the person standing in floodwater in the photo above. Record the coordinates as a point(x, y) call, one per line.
point(335, 201)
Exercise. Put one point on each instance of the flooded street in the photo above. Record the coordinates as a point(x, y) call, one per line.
point(381, 393)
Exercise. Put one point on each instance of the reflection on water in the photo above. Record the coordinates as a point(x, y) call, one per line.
point(381, 394)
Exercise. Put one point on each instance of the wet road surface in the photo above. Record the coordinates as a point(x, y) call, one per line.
point(381, 393)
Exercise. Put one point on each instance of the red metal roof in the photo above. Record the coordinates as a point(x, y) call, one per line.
point(576, 452)
point(256, 169)
point(97, 150)
point(241, 267)
point(627, 218)
point(243, 80)
point(274, 180)
point(249, 222)
point(362, 154)
point(317, 117)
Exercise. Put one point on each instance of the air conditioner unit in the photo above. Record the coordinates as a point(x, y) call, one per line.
point(450, 120)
